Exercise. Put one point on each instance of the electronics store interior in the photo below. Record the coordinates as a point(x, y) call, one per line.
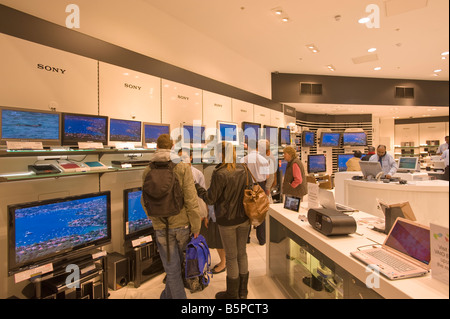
point(79, 118)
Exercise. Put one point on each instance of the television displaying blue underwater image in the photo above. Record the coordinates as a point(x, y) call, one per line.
point(317, 163)
point(354, 139)
point(153, 130)
point(45, 229)
point(342, 161)
point(308, 139)
point(30, 125)
point(251, 131)
point(193, 134)
point(285, 136)
point(84, 128)
point(271, 134)
point(329, 139)
point(124, 130)
point(136, 220)
point(228, 132)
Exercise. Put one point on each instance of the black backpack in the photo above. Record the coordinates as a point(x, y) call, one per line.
point(161, 191)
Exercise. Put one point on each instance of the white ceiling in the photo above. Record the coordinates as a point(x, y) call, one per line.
point(410, 38)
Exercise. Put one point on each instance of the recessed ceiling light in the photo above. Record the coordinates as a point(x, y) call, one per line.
point(372, 50)
point(278, 11)
point(434, 74)
point(444, 53)
point(438, 70)
point(364, 20)
point(331, 67)
point(285, 19)
point(378, 68)
point(312, 48)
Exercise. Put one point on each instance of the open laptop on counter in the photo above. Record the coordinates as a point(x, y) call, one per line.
point(327, 200)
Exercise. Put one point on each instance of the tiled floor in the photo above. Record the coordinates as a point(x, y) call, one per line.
point(260, 285)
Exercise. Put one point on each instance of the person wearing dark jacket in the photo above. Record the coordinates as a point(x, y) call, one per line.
point(226, 193)
point(294, 182)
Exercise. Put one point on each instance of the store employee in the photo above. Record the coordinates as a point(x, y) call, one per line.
point(386, 160)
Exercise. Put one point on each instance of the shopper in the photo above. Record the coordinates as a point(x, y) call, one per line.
point(294, 183)
point(370, 152)
point(445, 156)
point(226, 193)
point(259, 167)
point(353, 163)
point(264, 150)
point(443, 147)
point(179, 226)
point(386, 160)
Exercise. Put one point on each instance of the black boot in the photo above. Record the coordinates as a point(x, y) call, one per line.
point(243, 283)
point(232, 291)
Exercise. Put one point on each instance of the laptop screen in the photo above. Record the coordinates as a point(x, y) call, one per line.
point(410, 239)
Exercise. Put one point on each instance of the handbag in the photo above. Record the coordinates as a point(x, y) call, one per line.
point(256, 202)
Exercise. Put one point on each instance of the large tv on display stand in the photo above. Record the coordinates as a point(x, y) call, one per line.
point(330, 139)
point(152, 131)
point(271, 134)
point(354, 139)
point(308, 139)
point(136, 222)
point(125, 131)
point(49, 231)
point(193, 135)
point(284, 135)
point(317, 163)
point(29, 125)
point(251, 131)
point(228, 131)
point(84, 128)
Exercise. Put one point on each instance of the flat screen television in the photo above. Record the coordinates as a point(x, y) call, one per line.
point(193, 135)
point(47, 231)
point(251, 131)
point(228, 131)
point(285, 136)
point(308, 139)
point(125, 131)
point(408, 164)
point(152, 131)
point(30, 126)
point(317, 163)
point(84, 128)
point(136, 222)
point(354, 139)
point(342, 161)
point(271, 134)
point(330, 139)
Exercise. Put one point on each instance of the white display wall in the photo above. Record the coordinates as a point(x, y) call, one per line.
point(215, 107)
point(39, 77)
point(242, 111)
point(261, 115)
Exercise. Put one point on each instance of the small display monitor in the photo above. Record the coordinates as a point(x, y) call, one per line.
point(193, 135)
point(342, 161)
point(136, 222)
point(292, 203)
point(330, 139)
point(84, 128)
point(228, 131)
point(271, 134)
point(152, 131)
point(370, 170)
point(252, 131)
point(317, 163)
point(46, 231)
point(354, 139)
point(308, 139)
point(285, 136)
point(125, 131)
point(408, 164)
point(30, 126)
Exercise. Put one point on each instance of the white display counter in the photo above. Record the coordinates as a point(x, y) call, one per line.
point(429, 200)
point(338, 249)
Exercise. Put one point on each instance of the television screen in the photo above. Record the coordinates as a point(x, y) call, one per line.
point(317, 163)
point(285, 136)
point(228, 132)
point(251, 131)
point(193, 134)
point(408, 164)
point(30, 126)
point(308, 139)
point(124, 130)
point(43, 231)
point(271, 134)
point(84, 128)
point(354, 139)
point(329, 139)
point(342, 161)
point(136, 221)
point(153, 130)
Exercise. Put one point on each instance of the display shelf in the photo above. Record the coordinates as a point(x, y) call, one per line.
point(70, 152)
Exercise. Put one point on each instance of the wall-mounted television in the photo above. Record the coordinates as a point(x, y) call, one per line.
point(46, 231)
point(342, 161)
point(228, 131)
point(308, 139)
point(84, 128)
point(354, 139)
point(251, 131)
point(284, 135)
point(125, 131)
point(317, 163)
point(330, 139)
point(28, 125)
point(152, 131)
point(271, 134)
point(136, 222)
point(193, 135)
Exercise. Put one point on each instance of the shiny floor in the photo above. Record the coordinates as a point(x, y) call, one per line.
point(260, 285)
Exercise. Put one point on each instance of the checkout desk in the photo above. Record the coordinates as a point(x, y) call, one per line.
point(307, 264)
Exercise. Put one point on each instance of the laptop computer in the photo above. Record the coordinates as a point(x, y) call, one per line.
point(404, 254)
point(327, 200)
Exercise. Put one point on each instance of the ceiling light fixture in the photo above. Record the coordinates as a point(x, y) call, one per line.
point(378, 68)
point(444, 53)
point(312, 48)
point(331, 67)
point(438, 70)
point(372, 50)
point(285, 19)
point(364, 20)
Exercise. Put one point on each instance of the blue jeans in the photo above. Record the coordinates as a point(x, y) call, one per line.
point(178, 240)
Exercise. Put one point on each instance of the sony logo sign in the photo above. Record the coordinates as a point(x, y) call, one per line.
point(50, 68)
point(183, 97)
point(217, 105)
point(131, 86)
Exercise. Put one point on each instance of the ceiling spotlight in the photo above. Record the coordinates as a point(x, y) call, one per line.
point(285, 19)
point(312, 48)
point(364, 20)
point(279, 11)
point(438, 70)
point(378, 68)
point(444, 53)
point(372, 50)
point(331, 67)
